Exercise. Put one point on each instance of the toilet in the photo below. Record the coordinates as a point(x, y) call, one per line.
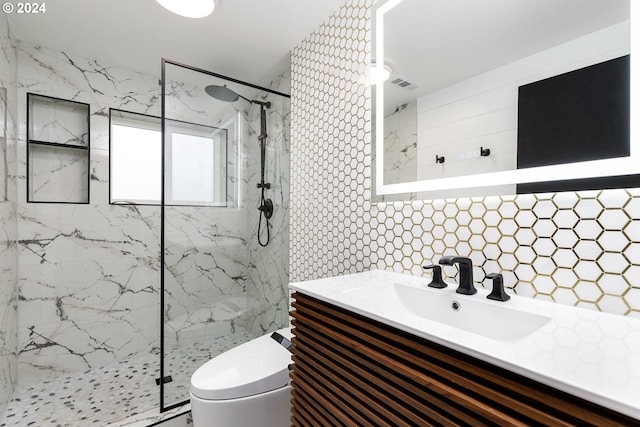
point(245, 386)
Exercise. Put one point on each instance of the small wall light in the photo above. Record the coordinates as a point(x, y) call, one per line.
point(189, 8)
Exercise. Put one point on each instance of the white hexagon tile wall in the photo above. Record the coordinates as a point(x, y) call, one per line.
point(576, 248)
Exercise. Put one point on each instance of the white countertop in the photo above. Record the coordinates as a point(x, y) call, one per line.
point(586, 353)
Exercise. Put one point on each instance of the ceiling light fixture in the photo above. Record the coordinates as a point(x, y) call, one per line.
point(379, 73)
point(189, 8)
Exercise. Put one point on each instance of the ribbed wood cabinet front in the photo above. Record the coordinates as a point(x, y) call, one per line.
point(353, 371)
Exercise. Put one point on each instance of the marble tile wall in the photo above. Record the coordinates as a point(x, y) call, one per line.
point(89, 274)
point(400, 144)
point(58, 121)
point(249, 281)
point(269, 267)
point(8, 303)
point(8, 224)
point(205, 270)
point(58, 175)
point(571, 248)
point(88, 286)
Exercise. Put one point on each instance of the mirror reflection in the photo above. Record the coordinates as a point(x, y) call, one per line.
point(500, 85)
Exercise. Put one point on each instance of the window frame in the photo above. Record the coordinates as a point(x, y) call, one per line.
point(219, 138)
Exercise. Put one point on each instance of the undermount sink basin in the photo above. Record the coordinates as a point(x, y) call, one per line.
point(470, 313)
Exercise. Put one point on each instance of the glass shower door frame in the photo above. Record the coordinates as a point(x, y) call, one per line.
point(164, 377)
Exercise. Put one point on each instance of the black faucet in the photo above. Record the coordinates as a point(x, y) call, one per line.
point(465, 285)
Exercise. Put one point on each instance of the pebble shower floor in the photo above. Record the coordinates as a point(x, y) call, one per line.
point(112, 395)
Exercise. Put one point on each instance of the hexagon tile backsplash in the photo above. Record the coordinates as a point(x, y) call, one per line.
point(573, 248)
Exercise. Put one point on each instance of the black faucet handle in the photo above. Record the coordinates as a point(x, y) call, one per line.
point(497, 293)
point(436, 279)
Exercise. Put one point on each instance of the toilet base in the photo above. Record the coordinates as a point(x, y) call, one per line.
point(271, 409)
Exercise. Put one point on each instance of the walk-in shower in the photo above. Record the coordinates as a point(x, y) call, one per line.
point(223, 93)
point(220, 286)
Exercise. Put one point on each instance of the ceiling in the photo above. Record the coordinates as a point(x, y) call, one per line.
point(243, 39)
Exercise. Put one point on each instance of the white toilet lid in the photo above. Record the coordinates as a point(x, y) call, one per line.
point(254, 367)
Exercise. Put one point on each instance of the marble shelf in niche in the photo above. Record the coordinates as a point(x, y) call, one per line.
point(58, 150)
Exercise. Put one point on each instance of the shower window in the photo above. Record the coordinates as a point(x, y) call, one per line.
point(196, 155)
point(197, 170)
point(134, 158)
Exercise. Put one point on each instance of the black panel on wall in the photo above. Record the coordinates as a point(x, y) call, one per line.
point(576, 116)
point(623, 181)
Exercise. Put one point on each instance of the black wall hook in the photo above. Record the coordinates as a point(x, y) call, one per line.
point(439, 159)
point(484, 152)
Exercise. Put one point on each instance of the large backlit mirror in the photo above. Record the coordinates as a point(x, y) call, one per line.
point(503, 97)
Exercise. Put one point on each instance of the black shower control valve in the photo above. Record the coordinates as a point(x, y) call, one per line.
point(436, 280)
point(485, 152)
point(497, 293)
point(439, 159)
point(266, 207)
point(263, 185)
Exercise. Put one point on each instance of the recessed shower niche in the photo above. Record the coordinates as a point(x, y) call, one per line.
point(57, 150)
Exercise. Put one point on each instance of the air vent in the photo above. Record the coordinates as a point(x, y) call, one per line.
point(403, 83)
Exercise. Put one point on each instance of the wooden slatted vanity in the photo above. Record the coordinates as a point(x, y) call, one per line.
point(353, 370)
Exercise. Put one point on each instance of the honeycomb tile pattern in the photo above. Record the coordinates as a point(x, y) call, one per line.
point(331, 223)
point(576, 248)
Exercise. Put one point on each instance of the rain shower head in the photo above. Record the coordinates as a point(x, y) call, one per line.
point(223, 93)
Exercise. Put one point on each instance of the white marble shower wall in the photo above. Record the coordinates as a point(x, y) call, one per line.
point(206, 259)
point(88, 286)
point(8, 225)
point(400, 144)
point(89, 274)
point(244, 284)
point(205, 272)
point(269, 267)
point(8, 302)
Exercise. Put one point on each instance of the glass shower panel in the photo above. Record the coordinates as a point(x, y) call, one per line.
point(211, 298)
